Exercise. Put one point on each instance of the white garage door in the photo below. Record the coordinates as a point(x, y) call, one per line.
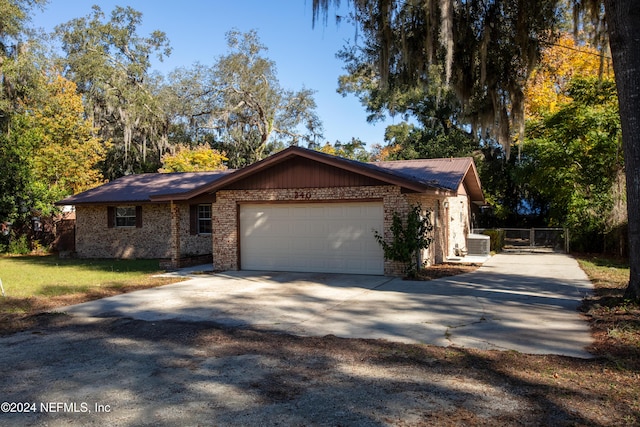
point(313, 237)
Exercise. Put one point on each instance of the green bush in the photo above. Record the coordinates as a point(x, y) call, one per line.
point(408, 238)
point(497, 239)
point(19, 245)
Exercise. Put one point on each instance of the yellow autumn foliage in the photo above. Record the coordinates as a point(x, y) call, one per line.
point(198, 159)
point(545, 92)
point(68, 152)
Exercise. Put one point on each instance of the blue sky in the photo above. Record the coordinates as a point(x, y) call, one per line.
point(304, 56)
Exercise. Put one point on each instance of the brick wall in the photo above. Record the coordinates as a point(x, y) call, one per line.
point(451, 224)
point(191, 245)
point(155, 238)
point(459, 222)
point(225, 214)
point(94, 239)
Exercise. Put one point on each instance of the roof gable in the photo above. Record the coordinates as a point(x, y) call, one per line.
point(301, 172)
point(443, 173)
point(371, 170)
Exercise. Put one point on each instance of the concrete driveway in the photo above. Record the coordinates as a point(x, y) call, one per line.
point(522, 302)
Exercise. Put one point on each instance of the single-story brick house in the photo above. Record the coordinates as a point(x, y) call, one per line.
point(297, 210)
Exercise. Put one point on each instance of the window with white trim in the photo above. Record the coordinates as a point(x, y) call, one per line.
point(204, 219)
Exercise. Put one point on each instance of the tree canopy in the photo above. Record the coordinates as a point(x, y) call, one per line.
point(47, 146)
point(485, 51)
point(574, 157)
point(546, 90)
point(238, 105)
point(15, 72)
point(198, 159)
point(50, 152)
point(572, 153)
point(110, 63)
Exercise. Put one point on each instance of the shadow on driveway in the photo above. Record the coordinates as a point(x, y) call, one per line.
point(526, 303)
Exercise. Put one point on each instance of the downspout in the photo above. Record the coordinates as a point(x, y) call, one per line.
point(446, 230)
point(433, 253)
point(175, 234)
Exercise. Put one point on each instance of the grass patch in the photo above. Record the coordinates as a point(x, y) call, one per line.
point(615, 322)
point(29, 276)
point(34, 284)
point(609, 275)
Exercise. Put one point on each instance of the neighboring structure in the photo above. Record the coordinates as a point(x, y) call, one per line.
point(298, 210)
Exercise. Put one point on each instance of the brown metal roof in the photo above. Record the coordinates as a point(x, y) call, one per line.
point(444, 175)
point(441, 173)
point(142, 187)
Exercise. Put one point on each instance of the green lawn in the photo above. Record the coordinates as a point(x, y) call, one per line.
point(617, 320)
point(47, 276)
point(37, 284)
point(606, 271)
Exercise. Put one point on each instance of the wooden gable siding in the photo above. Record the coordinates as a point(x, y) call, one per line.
point(303, 173)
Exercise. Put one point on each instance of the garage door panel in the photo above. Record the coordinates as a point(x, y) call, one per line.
point(312, 237)
point(313, 227)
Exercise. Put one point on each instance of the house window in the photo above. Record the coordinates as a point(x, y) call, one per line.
point(125, 216)
point(204, 219)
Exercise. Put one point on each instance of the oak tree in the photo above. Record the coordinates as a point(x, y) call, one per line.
point(573, 156)
point(110, 62)
point(485, 51)
point(238, 105)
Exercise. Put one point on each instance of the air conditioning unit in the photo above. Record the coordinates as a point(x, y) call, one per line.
point(478, 244)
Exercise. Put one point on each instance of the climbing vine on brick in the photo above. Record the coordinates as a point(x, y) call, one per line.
point(409, 237)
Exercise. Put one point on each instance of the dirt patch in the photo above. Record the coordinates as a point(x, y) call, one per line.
point(151, 373)
point(439, 271)
point(19, 314)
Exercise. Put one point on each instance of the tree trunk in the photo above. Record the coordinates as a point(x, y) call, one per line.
point(623, 21)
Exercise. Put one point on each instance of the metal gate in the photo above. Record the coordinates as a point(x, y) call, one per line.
point(533, 239)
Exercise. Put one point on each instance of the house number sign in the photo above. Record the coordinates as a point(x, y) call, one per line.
point(302, 195)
